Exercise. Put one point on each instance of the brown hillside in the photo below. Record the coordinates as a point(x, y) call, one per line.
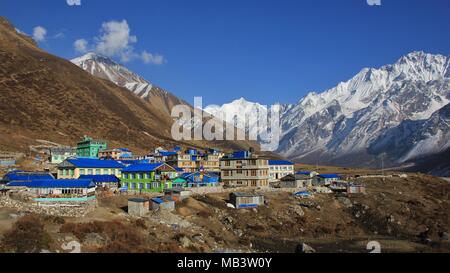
point(46, 97)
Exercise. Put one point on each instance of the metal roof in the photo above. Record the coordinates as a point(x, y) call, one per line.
point(94, 163)
point(101, 178)
point(26, 176)
point(167, 153)
point(55, 183)
point(280, 162)
point(245, 194)
point(138, 200)
point(144, 167)
point(329, 175)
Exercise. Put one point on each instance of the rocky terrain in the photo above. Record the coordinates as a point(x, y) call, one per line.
point(105, 68)
point(402, 214)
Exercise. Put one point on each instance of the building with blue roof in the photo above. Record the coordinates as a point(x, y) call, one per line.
point(104, 181)
point(22, 176)
point(188, 161)
point(54, 190)
point(279, 169)
point(244, 169)
point(73, 168)
point(201, 179)
point(128, 162)
point(116, 154)
point(89, 147)
point(163, 202)
point(325, 179)
point(310, 173)
point(148, 177)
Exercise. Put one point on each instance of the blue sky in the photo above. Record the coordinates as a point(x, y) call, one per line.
point(265, 51)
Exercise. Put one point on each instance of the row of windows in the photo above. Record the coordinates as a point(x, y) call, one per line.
point(146, 186)
point(279, 175)
point(249, 183)
point(249, 162)
point(281, 168)
point(246, 172)
point(99, 172)
point(136, 176)
point(71, 172)
point(65, 172)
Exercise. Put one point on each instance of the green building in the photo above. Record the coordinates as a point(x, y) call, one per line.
point(89, 147)
point(153, 177)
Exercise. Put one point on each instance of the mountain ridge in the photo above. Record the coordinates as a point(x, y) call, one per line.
point(104, 67)
point(346, 125)
point(45, 97)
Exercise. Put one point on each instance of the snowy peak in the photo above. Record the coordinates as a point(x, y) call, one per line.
point(105, 68)
point(237, 106)
point(388, 110)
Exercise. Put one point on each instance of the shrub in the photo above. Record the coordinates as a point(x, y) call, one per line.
point(26, 236)
point(120, 238)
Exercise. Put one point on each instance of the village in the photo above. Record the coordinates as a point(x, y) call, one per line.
point(78, 175)
point(191, 190)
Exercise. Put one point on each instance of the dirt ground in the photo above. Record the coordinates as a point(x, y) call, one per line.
point(401, 214)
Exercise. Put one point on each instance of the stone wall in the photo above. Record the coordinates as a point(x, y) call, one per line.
point(54, 209)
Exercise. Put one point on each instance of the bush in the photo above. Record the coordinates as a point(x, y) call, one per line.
point(26, 236)
point(120, 238)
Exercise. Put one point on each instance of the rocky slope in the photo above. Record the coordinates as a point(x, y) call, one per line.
point(105, 68)
point(46, 97)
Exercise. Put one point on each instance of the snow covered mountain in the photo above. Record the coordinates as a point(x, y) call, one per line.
point(391, 112)
point(228, 111)
point(105, 68)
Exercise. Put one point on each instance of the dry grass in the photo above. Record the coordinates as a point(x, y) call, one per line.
point(27, 236)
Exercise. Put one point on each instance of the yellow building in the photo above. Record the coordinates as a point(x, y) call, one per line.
point(72, 168)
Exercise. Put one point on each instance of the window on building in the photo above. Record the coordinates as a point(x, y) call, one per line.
point(82, 172)
point(90, 171)
point(97, 172)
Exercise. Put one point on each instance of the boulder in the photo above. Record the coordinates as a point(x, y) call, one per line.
point(345, 201)
point(304, 248)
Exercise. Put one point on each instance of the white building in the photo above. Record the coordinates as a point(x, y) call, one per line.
point(279, 169)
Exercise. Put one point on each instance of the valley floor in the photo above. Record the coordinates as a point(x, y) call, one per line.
point(402, 214)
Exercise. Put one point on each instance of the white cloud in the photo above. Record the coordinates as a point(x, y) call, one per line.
point(39, 33)
point(81, 45)
point(115, 40)
point(73, 2)
point(150, 58)
point(59, 35)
